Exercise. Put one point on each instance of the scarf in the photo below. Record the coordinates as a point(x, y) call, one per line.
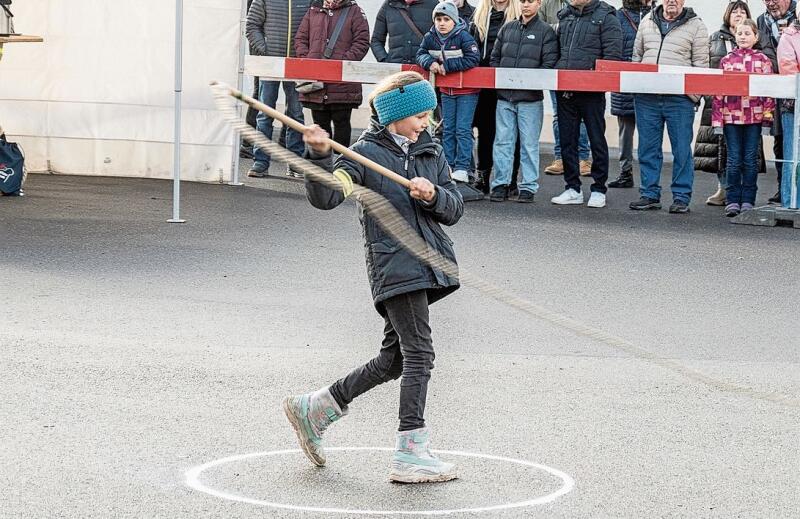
point(774, 25)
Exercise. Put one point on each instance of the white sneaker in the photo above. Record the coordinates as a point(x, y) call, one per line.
point(597, 200)
point(460, 175)
point(568, 197)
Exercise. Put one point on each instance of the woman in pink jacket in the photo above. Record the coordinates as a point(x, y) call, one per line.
point(741, 119)
point(789, 63)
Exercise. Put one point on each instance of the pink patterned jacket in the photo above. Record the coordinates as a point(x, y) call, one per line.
point(744, 109)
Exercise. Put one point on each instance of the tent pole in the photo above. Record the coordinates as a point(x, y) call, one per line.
point(237, 138)
point(176, 152)
point(792, 202)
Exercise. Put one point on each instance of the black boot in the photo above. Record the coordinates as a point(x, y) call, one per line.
point(625, 179)
point(482, 181)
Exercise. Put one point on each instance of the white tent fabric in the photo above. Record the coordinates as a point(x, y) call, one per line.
point(97, 97)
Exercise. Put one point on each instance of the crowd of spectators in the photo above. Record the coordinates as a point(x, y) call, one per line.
point(453, 36)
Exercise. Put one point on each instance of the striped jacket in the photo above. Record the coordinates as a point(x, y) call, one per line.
point(268, 28)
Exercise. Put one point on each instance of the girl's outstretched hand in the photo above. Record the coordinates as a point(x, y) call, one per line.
point(317, 139)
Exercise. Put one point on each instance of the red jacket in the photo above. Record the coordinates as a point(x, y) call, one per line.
point(312, 37)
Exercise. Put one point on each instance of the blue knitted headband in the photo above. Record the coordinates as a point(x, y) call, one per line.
point(404, 102)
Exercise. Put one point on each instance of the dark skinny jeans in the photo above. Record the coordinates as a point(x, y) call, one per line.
point(407, 351)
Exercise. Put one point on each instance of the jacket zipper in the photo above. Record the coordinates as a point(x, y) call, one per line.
point(664, 37)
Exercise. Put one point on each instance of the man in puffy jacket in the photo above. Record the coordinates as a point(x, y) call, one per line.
point(549, 13)
point(588, 30)
point(403, 23)
point(271, 26)
point(530, 43)
point(622, 104)
point(669, 35)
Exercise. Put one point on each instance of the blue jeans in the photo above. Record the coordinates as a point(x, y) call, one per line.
point(513, 119)
point(788, 153)
point(457, 140)
point(583, 142)
point(677, 113)
point(268, 94)
point(742, 166)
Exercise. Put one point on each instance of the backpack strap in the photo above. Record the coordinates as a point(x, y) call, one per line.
point(337, 31)
point(630, 20)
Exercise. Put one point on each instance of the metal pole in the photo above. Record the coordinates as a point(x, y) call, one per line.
point(795, 144)
point(237, 138)
point(176, 151)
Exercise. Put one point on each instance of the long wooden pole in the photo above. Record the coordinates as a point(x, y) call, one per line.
point(338, 148)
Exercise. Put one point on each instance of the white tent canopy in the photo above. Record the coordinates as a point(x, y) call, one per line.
point(97, 97)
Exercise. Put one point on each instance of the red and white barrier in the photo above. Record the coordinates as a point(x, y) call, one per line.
point(610, 76)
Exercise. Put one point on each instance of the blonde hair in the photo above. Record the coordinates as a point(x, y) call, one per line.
point(749, 23)
point(392, 82)
point(484, 11)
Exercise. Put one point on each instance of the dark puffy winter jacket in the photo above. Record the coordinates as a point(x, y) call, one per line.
point(392, 270)
point(312, 38)
point(457, 52)
point(525, 45)
point(710, 151)
point(769, 46)
point(622, 104)
point(496, 20)
point(270, 28)
point(403, 42)
point(588, 34)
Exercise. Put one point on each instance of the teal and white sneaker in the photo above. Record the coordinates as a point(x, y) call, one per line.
point(414, 463)
point(310, 415)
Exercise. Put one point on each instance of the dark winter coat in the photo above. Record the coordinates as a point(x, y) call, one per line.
point(465, 12)
point(312, 38)
point(272, 24)
point(622, 104)
point(496, 20)
point(588, 34)
point(392, 270)
point(710, 151)
point(403, 42)
point(525, 45)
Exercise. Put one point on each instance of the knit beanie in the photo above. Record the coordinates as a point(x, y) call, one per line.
point(404, 101)
point(446, 8)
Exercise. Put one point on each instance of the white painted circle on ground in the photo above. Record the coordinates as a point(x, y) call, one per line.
point(193, 481)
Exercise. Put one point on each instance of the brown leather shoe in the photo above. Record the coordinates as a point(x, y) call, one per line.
point(586, 168)
point(555, 168)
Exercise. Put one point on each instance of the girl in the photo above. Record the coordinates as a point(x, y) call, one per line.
point(332, 105)
point(448, 47)
point(741, 120)
point(402, 285)
point(489, 16)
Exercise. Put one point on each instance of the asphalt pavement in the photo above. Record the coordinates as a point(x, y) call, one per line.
point(134, 350)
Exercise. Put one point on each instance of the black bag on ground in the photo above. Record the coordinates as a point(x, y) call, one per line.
point(12, 166)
